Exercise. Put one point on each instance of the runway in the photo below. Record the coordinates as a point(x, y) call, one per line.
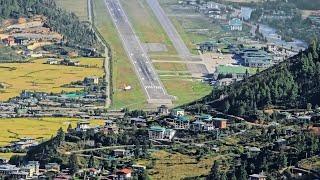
point(176, 39)
point(150, 82)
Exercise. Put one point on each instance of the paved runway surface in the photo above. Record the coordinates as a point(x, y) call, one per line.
point(176, 39)
point(149, 80)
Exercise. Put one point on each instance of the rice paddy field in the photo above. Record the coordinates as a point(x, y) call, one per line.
point(36, 75)
point(38, 128)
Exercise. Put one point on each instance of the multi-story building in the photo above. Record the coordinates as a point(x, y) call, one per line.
point(160, 133)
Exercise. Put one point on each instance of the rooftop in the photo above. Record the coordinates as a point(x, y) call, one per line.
point(225, 69)
point(157, 128)
point(235, 22)
point(220, 119)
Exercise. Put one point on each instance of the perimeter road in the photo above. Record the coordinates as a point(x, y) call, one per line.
point(150, 82)
point(106, 67)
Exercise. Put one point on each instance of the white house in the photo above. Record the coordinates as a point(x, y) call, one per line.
point(83, 126)
point(160, 133)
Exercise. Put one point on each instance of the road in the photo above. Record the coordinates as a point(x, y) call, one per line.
point(154, 89)
point(107, 77)
point(175, 37)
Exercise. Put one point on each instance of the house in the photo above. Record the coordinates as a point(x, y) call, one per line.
point(235, 24)
point(160, 133)
point(91, 80)
point(246, 13)
point(18, 175)
point(9, 41)
point(111, 127)
point(24, 143)
point(7, 169)
point(254, 57)
point(202, 126)
point(121, 153)
point(163, 110)
point(32, 168)
point(177, 112)
point(69, 62)
point(138, 168)
point(52, 61)
point(52, 167)
point(206, 46)
point(204, 117)
point(220, 123)
point(181, 122)
point(3, 161)
point(138, 122)
point(125, 173)
point(21, 40)
point(83, 126)
point(225, 82)
point(257, 177)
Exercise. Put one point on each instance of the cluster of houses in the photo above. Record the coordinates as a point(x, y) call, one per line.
point(21, 145)
point(177, 120)
point(29, 171)
point(231, 18)
point(65, 61)
point(40, 104)
point(32, 170)
point(29, 34)
point(27, 31)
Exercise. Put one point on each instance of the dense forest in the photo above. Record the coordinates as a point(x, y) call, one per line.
point(306, 4)
point(293, 83)
point(74, 31)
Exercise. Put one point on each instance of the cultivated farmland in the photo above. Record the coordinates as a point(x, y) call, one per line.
point(35, 75)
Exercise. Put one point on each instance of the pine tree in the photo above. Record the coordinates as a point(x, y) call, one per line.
point(69, 127)
point(214, 172)
point(73, 164)
point(233, 174)
point(91, 163)
point(60, 138)
point(243, 173)
point(223, 176)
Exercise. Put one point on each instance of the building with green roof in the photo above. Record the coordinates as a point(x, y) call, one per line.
point(182, 122)
point(238, 72)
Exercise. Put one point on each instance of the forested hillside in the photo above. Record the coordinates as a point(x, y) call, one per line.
point(74, 31)
point(293, 83)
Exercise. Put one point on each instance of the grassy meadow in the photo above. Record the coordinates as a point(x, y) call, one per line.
point(182, 165)
point(79, 7)
point(38, 76)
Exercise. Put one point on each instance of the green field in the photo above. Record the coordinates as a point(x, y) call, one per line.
point(79, 7)
point(185, 89)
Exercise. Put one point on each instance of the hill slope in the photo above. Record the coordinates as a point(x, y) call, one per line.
point(75, 32)
point(293, 83)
